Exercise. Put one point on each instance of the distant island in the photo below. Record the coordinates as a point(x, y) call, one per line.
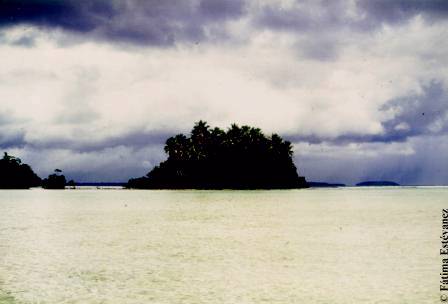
point(239, 158)
point(377, 184)
point(55, 181)
point(16, 175)
point(324, 185)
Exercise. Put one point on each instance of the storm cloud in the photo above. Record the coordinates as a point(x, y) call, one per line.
point(11, 136)
point(360, 15)
point(401, 10)
point(149, 22)
point(420, 114)
point(95, 87)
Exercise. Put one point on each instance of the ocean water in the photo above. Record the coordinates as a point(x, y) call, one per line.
point(347, 245)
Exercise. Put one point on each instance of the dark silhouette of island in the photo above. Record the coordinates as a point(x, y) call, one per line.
point(71, 184)
point(377, 184)
point(15, 175)
point(239, 158)
point(54, 181)
point(324, 185)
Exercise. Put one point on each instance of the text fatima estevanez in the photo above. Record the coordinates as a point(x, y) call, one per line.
point(444, 255)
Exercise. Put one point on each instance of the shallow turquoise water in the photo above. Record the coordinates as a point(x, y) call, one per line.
point(352, 245)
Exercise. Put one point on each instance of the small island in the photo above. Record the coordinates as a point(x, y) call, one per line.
point(16, 175)
point(325, 185)
point(211, 158)
point(377, 184)
point(55, 181)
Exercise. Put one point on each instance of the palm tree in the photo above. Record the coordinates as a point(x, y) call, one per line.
point(200, 138)
point(241, 157)
point(178, 147)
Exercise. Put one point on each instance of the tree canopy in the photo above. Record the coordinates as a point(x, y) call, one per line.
point(211, 158)
point(54, 181)
point(16, 175)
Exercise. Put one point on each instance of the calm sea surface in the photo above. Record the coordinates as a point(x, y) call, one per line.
point(352, 245)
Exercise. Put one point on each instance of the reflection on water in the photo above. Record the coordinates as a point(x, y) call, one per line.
point(353, 245)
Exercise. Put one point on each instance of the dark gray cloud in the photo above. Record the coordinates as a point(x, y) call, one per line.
point(386, 11)
point(424, 166)
point(149, 22)
point(310, 16)
point(215, 10)
point(65, 14)
point(314, 21)
point(111, 159)
point(324, 15)
point(169, 21)
point(412, 115)
point(10, 135)
point(418, 114)
point(12, 139)
point(82, 142)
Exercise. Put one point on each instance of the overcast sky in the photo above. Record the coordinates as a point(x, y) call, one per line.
point(95, 87)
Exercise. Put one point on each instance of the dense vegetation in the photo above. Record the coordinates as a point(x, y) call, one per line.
point(324, 185)
point(239, 158)
point(54, 181)
point(15, 175)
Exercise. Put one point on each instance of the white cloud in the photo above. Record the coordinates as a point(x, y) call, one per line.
point(88, 92)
